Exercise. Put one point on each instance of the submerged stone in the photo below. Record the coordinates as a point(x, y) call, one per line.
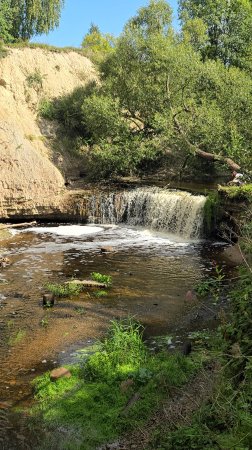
point(61, 372)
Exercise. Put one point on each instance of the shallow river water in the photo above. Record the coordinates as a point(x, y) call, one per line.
point(151, 274)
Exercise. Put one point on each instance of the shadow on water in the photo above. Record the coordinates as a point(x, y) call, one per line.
point(151, 273)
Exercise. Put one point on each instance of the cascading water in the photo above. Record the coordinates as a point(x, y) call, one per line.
point(172, 211)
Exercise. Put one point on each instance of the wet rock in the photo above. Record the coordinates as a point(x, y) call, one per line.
point(48, 300)
point(4, 261)
point(187, 348)
point(233, 255)
point(107, 249)
point(61, 372)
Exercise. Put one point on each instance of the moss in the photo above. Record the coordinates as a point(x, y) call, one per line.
point(237, 192)
point(92, 407)
point(211, 213)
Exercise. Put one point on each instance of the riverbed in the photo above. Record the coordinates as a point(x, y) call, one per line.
point(151, 275)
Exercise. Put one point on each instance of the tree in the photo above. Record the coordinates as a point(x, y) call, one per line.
point(96, 45)
point(164, 86)
point(228, 26)
point(26, 18)
point(6, 14)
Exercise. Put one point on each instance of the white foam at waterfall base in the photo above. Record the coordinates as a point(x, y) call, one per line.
point(171, 211)
point(67, 230)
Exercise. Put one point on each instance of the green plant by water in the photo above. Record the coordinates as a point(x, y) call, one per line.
point(100, 278)
point(93, 404)
point(212, 285)
point(64, 290)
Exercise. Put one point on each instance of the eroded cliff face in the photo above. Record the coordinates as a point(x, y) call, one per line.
point(30, 184)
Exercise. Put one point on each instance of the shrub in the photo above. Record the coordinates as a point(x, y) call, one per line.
point(106, 279)
point(64, 290)
point(122, 352)
point(46, 109)
point(35, 80)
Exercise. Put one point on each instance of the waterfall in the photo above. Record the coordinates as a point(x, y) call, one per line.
point(172, 211)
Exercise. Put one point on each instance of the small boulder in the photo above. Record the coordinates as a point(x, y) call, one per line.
point(61, 372)
point(107, 249)
point(4, 261)
point(48, 300)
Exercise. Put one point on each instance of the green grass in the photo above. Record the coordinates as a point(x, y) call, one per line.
point(64, 290)
point(100, 278)
point(91, 405)
point(49, 48)
point(17, 338)
point(237, 192)
point(100, 294)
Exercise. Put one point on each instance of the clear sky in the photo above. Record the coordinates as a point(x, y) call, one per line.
point(77, 15)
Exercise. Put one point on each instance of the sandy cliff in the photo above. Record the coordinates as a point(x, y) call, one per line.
point(29, 182)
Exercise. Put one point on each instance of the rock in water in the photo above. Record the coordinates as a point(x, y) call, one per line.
point(107, 249)
point(48, 300)
point(61, 372)
point(187, 348)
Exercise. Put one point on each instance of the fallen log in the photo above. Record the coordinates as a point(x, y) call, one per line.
point(88, 283)
point(17, 225)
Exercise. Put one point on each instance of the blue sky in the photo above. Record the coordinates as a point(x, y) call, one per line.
point(77, 15)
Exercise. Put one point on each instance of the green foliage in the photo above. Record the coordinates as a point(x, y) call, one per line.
point(17, 338)
point(243, 192)
point(97, 46)
point(92, 404)
point(212, 286)
point(29, 18)
point(68, 110)
point(158, 97)
point(35, 80)
point(100, 294)
point(3, 51)
point(44, 323)
point(64, 290)
point(121, 352)
point(185, 438)
point(227, 26)
point(102, 119)
point(100, 278)
point(46, 109)
point(211, 212)
point(6, 15)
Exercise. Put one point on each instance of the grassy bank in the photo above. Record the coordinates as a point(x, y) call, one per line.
point(115, 391)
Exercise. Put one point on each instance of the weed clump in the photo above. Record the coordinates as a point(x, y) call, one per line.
point(64, 290)
point(105, 279)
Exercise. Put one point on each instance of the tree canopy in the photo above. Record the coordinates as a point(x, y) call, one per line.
point(228, 27)
point(161, 94)
point(22, 19)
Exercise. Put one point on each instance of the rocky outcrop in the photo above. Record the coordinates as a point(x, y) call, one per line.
point(30, 184)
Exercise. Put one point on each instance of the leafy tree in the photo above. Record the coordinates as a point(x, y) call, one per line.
point(228, 26)
point(22, 19)
point(6, 14)
point(96, 45)
point(162, 84)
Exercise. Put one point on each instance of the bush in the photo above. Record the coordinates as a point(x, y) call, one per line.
point(64, 290)
point(106, 279)
point(122, 352)
point(46, 109)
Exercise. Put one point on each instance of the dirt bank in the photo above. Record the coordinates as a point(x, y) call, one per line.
point(30, 184)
